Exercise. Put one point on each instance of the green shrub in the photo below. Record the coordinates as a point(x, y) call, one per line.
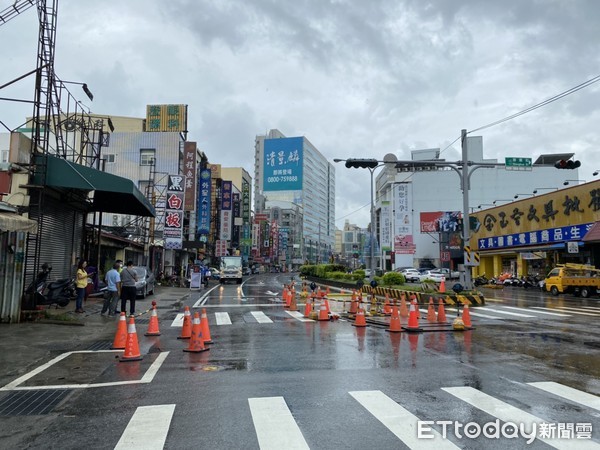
point(393, 278)
point(358, 275)
point(308, 270)
point(336, 275)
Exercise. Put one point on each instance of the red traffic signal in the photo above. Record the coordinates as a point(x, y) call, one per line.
point(567, 164)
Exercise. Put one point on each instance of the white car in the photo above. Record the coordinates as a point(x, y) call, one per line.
point(411, 275)
point(430, 275)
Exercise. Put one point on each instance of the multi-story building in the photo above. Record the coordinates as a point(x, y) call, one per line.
point(241, 238)
point(352, 245)
point(418, 211)
point(291, 174)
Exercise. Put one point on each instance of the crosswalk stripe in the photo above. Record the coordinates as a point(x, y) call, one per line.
point(564, 309)
point(398, 420)
point(540, 312)
point(261, 317)
point(591, 308)
point(583, 398)
point(485, 316)
point(147, 428)
point(178, 321)
point(483, 308)
point(222, 318)
point(274, 424)
point(569, 309)
point(299, 316)
point(509, 413)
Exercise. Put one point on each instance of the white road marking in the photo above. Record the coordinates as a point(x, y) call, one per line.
point(485, 316)
point(261, 317)
point(202, 300)
point(148, 428)
point(509, 413)
point(178, 321)
point(539, 312)
point(274, 424)
point(578, 310)
point(583, 398)
point(299, 316)
point(591, 308)
point(565, 309)
point(398, 420)
point(236, 305)
point(483, 308)
point(147, 378)
point(222, 318)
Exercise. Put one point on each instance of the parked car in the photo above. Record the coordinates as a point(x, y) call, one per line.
point(449, 274)
point(411, 275)
point(430, 275)
point(146, 281)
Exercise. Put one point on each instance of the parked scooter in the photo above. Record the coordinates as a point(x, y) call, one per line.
point(46, 292)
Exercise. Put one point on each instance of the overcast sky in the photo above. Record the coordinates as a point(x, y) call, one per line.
point(358, 78)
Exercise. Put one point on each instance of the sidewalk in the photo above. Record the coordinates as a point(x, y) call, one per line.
point(27, 345)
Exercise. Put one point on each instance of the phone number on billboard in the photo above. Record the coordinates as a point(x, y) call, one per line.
point(282, 178)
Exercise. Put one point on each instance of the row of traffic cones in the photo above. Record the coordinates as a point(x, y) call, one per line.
point(197, 331)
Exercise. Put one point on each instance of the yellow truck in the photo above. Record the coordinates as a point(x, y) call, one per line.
point(578, 279)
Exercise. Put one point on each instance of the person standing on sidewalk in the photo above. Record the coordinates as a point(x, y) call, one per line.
point(128, 291)
point(113, 290)
point(81, 279)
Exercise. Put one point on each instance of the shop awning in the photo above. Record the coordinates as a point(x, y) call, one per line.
point(14, 222)
point(593, 235)
point(111, 193)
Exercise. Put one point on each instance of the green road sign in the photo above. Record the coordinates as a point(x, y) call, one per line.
point(518, 163)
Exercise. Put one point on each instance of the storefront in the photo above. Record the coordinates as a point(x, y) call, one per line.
point(530, 236)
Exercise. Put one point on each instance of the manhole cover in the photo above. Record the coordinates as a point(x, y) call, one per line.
point(32, 403)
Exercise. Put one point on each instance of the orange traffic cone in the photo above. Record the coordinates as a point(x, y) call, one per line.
point(353, 294)
point(327, 291)
point(441, 317)
point(466, 317)
point(387, 309)
point(132, 348)
point(353, 305)
point(431, 312)
point(395, 326)
point(186, 330)
point(413, 320)
point(307, 308)
point(197, 340)
point(413, 299)
point(205, 328)
point(403, 307)
point(293, 304)
point(286, 297)
point(443, 285)
point(153, 329)
point(121, 334)
point(360, 319)
point(327, 305)
point(323, 314)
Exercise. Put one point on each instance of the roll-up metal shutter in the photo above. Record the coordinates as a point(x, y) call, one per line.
point(60, 241)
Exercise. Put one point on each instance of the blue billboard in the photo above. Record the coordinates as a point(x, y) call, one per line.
point(282, 166)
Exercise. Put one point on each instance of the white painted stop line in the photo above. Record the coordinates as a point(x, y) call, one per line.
point(147, 428)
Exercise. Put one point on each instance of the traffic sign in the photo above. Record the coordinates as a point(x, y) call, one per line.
point(513, 163)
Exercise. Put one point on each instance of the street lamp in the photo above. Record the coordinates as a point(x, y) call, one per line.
point(485, 204)
point(566, 183)
point(500, 200)
point(370, 164)
point(596, 172)
point(517, 195)
point(535, 191)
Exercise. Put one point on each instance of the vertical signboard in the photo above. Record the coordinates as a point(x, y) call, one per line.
point(282, 166)
point(386, 229)
point(189, 171)
point(226, 210)
point(403, 227)
point(204, 198)
point(237, 210)
point(174, 212)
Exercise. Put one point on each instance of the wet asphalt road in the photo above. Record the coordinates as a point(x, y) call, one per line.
point(341, 386)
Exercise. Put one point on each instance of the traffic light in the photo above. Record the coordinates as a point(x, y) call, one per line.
point(362, 163)
point(567, 164)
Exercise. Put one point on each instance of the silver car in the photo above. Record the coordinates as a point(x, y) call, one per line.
point(146, 281)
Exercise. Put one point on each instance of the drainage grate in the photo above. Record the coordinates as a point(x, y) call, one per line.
point(100, 345)
point(142, 321)
point(32, 403)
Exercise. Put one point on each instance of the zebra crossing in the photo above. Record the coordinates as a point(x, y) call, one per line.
point(276, 427)
point(493, 313)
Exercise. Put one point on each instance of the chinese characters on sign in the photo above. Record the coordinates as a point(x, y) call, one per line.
point(189, 171)
point(547, 236)
point(165, 118)
point(403, 237)
point(226, 210)
point(203, 218)
point(174, 212)
point(283, 164)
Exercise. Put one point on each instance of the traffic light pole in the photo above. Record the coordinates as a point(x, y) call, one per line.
point(372, 245)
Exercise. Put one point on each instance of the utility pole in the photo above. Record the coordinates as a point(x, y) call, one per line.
point(465, 182)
